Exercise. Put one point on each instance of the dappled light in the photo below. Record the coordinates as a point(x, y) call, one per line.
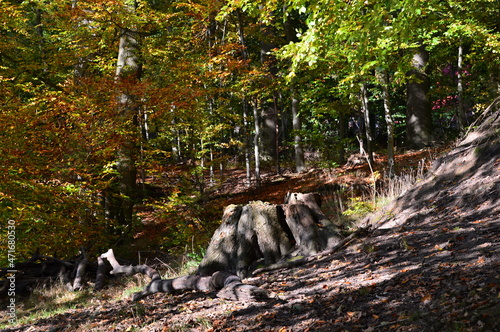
point(259, 166)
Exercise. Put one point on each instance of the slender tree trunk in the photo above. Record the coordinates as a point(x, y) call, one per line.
point(256, 143)
point(270, 124)
point(342, 134)
point(384, 79)
point(128, 71)
point(41, 43)
point(418, 112)
point(297, 127)
point(291, 36)
point(276, 135)
point(176, 140)
point(247, 143)
point(368, 128)
point(211, 167)
point(244, 53)
point(462, 121)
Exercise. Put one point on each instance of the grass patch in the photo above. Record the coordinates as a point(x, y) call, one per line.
point(49, 300)
point(347, 206)
point(46, 301)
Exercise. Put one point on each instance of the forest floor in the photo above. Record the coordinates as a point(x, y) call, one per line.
point(430, 263)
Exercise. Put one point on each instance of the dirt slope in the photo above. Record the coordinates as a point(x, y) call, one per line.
point(433, 264)
point(462, 184)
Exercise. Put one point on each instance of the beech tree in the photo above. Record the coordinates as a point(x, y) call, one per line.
point(418, 107)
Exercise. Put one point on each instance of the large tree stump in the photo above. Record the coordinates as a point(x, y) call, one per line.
point(263, 233)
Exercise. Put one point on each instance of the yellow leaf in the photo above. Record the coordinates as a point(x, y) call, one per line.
point(426, 298)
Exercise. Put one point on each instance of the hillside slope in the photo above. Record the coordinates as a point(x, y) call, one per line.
point(463, 184)
point(431, 264)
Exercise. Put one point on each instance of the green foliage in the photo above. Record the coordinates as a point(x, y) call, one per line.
point(193, 260)
point(359, 207)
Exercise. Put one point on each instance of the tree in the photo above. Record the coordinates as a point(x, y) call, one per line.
point(78, 125)
point(128, 75)
point(262, 233)
point(358, 39)
point(297, 127)
point(419, 113)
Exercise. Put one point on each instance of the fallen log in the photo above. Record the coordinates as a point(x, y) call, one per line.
point(228, 285)
point(129, 269)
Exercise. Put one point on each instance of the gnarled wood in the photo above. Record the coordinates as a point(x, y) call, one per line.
point(328, 230)
point(301, 222)
point(129, 269)
point(222, 250)
point(287, 262)
point(263, 233)
point(229, 285)
point(100, 274)
point(80, 272)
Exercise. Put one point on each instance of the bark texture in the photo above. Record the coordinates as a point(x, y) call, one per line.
point(261, 234)
point(418, 111)
point(228, 285)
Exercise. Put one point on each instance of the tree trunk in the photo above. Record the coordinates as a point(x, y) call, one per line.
point(462, 120)
point(291, 36)
point(342, 136)
point(80, 272)
point(128, 71)
point(368, 128)
point(262, 233)
point(269, 123)
point(384, 80)
point(300, 220)
point(244, 54)
point(328, 233)
point(297, 127)
point(101, 274)
point(418, 112)
point(247, 144)
point(256, 144)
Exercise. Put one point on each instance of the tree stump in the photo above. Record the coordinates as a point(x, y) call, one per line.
point(328, 233)
point(263, 233)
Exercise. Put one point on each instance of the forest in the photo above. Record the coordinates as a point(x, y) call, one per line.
point(152, 127)
point(119, 115)
point(101, 100)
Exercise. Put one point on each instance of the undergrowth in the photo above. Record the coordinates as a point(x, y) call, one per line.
point(347, 206)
